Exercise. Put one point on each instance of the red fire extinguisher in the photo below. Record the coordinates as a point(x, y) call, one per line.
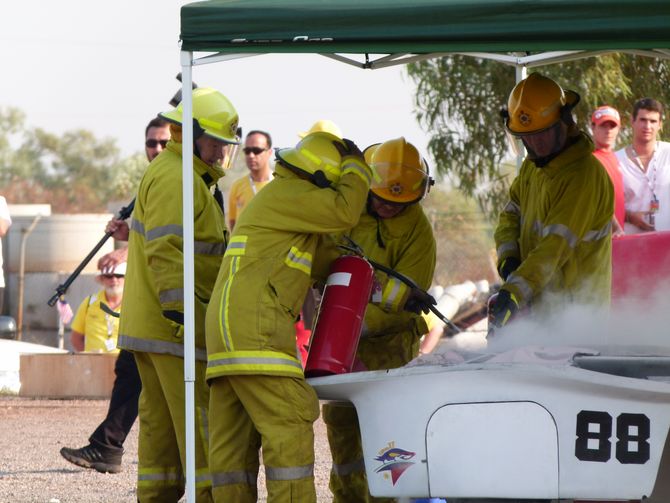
point(340, 318)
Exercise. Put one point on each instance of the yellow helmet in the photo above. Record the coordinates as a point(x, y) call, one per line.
point(323, 125)
point(215, 114)
point(369, 150)
point(535, 104)
point(399, 173)
point(316, 156)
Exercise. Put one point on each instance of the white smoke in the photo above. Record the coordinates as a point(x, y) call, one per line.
point(639, 323)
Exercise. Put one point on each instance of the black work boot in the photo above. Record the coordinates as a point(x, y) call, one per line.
point(92, 457)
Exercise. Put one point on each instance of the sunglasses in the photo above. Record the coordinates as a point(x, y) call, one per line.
point(110, 276)
point(154, 143)
point(253, 150)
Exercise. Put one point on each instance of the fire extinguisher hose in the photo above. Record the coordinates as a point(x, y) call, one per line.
point(357, 250)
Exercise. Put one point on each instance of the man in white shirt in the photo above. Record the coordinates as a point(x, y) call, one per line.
point(645, 166)
point(5, 223)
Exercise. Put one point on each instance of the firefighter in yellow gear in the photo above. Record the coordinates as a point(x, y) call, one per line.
point(324, 126)
point(394, 232)
point(553, 237)
point(258, 394)
point(153, 304)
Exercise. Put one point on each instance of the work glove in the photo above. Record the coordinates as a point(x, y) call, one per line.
point(508, 266)
point(349, 149)
point(419, 301)
point(502, 307)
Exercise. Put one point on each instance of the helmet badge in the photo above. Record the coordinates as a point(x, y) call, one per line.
point(396, 189)
point(524, 118)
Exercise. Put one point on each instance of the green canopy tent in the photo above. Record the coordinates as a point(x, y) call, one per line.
point(379, 33)
point(405, 30)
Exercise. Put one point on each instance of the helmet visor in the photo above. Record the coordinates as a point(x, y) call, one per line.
point(232, 152)
point(515, 143)
point(545, 143)
point(397, 183)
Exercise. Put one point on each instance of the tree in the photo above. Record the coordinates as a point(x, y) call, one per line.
point(464, 238)
point(458, 99)
point(75, 172)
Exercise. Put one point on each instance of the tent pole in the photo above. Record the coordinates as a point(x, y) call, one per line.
point(189, 279)
point(521, 73)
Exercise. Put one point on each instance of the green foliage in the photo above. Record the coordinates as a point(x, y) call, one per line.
point(463, 235)
point(75, 172)
point(614, 79)
point(127, 176)
point(458, 99)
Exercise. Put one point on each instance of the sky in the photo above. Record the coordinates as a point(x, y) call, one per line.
point(110, 67)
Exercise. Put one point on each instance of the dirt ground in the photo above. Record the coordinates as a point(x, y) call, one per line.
point(33, 471)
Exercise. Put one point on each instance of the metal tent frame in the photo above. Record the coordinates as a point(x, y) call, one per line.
point(520, 62)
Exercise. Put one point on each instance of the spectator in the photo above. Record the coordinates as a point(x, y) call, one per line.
point(432, 338)
point(156, 136)
point(553, 237)
point(104, 451)
point(605, 124)
point(645, 166)
point(257, 152)
point(94, 328)
point(5, 224)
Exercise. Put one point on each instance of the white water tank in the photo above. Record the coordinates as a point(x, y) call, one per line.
point(58, 243)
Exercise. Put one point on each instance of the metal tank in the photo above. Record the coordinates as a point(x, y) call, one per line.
point(53, 246)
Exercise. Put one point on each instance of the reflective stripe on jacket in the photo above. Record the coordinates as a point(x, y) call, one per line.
point(558, 222)
point(267, 271)
point(154, 279)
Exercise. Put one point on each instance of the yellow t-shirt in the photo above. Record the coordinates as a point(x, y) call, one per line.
point(101, 330)
point(432, 320)
point(241, 192)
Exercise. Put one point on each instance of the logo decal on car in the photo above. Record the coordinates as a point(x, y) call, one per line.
point(394, 461)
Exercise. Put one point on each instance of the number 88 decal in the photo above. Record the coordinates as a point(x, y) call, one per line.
point(594, 430)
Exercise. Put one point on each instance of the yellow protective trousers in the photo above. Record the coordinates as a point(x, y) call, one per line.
point(273, 412)
point(348, 481)
point(162, 441)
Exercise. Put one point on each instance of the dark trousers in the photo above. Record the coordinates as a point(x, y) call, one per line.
point(112, 432)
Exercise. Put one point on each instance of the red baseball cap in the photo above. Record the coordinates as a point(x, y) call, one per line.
point(605, 113)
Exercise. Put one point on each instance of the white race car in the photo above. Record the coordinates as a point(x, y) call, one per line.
point(537, 422)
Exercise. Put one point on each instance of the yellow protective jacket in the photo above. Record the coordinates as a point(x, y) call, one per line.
point(154, 279)
point(268, 266)
point(558, 223)
point(406, 244)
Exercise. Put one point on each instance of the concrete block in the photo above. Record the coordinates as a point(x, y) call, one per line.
point(81, 375)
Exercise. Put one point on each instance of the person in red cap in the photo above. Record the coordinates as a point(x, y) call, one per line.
point(605, 124)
